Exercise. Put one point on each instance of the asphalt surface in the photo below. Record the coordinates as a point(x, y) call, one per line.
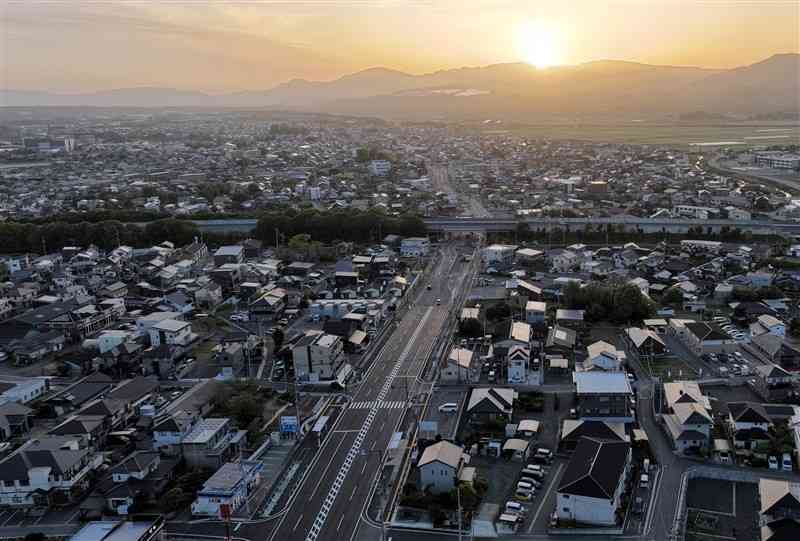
point(330, 500)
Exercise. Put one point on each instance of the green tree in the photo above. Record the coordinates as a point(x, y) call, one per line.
point(470, 327)
point(672, 297)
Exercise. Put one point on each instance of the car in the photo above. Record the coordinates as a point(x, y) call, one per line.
point(786, 462)
point(738, 355)
point(492, 376)
point(448, 407)
point(773, 462)
point(438, 302)
point(514, 507)
point(543, 456)
point(430, 287)
point(523, 495)
point(283, 321)
point(638, 506)
point(536, 468)
point(531, 480)
point(644, 480)
point(554, 520)
point(525, 485)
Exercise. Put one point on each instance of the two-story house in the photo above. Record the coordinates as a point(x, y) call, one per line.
point(45, 471)
point(230, 485)
point(211, 442)
point(604, 396)
point(688, 420)
point(590, 491)
point(440, 467)
point(317, 356)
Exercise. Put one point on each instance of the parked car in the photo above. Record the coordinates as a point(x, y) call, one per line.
point(523, 495)
point(644, 480)
point(514, 507)
point(543, 456)
point(537, 484)
point(786, 462)
point(448, 407)
point(773, 462)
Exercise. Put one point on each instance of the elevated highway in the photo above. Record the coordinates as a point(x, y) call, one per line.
point(490, 225)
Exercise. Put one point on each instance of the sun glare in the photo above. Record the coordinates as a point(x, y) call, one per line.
point(538, 44)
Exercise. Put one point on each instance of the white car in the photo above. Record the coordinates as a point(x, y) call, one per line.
point(773, 462)
point(786, 462)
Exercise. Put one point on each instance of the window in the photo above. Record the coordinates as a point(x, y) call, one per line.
point(565, 509)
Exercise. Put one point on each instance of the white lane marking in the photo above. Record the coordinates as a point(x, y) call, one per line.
point(544, 497)
point(340, 522)
point(355, 489)
point(325, 471)
point(327, 504)
point(296, 524)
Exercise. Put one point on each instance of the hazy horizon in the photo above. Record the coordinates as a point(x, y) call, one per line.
point(218, 47)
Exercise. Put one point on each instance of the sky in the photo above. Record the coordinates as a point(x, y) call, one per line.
point(236, 45)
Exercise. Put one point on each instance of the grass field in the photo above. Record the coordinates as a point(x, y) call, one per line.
point(670, 369)
point(667, 134)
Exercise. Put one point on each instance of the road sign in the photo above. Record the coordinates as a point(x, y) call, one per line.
point(288, 424)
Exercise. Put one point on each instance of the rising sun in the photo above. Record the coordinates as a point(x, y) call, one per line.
point(538, 44)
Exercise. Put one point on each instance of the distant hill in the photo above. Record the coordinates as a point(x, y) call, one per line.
point(513, 89)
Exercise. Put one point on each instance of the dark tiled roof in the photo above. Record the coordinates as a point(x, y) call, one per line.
point(595, 468)
point(748, 412)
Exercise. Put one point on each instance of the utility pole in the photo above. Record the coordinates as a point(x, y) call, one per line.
point(458, 498)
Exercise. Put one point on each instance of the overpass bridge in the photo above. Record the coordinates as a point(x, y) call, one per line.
point(621, 223)
point(496, 225)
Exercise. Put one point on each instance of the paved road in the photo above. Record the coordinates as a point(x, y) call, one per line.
point(329, 501)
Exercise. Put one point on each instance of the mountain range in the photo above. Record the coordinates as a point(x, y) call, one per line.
point(505, 90)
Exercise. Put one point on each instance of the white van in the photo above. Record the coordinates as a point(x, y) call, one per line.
point(514, 507)
point(448, 407)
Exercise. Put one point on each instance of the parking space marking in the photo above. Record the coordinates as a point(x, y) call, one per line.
point(13, 514)
point(73, 516)
point(550, 486)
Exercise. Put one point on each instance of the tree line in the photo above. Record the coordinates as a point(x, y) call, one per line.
point(336, 225)
point(613, 301)
point(328, 226)
point(51, 237)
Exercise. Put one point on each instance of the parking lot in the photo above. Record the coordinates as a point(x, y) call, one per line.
point(443, 423)
point(718, 509)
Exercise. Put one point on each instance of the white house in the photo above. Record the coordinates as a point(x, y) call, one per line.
point(171, 332)
point(109, 339)
point(535, 312)
point(168, 432)
point(380, 168)
point(459, 364)
point(414, 246)
point(440, 466)
point(498, 255)
point(592, 485)
point(317, 356)
point(231, 485)
point(144, 323)
point(768, 324)
point(24, 391)
point(688, 420)
point(603, 356)
point(518, 363)
point(44, 466)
